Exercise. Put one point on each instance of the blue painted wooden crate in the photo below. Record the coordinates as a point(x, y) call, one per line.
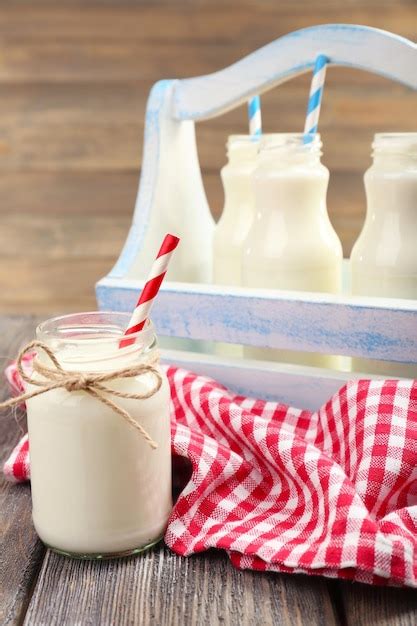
point(371, 328)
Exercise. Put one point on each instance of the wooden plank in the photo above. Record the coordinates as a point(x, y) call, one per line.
point(64, 235)
point(378, 606)
point(191, 20)
point(20, 550)
point(375, 328)
point(161, 588)
point(287, 5)
point(60, 285)
point(47, 194)
point(119, 60)
point(113, 61)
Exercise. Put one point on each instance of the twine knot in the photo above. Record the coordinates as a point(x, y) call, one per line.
point(57, 377)
point(79, 382)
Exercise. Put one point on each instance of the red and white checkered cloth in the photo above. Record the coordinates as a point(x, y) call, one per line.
point(332, 492)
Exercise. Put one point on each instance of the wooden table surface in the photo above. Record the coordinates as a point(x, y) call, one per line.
point(38, 587)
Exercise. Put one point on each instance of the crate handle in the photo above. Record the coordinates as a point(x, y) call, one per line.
point(361, 47)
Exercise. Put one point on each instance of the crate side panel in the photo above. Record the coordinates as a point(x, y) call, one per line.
point(300, 387)
point(383, 329)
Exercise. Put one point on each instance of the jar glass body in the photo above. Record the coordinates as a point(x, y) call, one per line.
point(292, 244)
point(98, 488)
point(383, 262)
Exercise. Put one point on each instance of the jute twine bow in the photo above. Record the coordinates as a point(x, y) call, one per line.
point(57, 377)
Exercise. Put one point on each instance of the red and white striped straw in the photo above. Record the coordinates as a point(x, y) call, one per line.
point(151, 288)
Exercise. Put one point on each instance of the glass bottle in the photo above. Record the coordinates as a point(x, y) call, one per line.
point(292, 244)
point(383, 262)
point(236, 219)
point(239, 208)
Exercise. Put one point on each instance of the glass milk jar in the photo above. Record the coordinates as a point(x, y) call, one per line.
point(292, 244)
point(98, 488)
point(384, 258)
point(238, 212)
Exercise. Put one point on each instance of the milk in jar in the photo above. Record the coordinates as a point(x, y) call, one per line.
point(383, 262)
point(98, 488)
point(291, 244)
point(236, 219)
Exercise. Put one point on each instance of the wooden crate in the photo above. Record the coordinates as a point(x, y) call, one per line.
point(313, 322)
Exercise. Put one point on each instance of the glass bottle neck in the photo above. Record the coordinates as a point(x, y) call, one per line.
point(395, 151)
point(290, 177)
point(242, 150)
point(283, 150)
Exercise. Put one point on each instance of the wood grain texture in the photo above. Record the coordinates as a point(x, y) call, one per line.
point(254, 23)
point(161, 588)
point(75, 77)
point(365, 606)
point(20, 550)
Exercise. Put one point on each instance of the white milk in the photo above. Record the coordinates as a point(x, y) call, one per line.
point(292, 244)
point(238, 212)
point(384, 258)
point(176, 200)
point(97, 486)
point(236, 219)
point(172, 190)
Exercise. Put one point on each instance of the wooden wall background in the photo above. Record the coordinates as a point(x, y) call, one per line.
point(74, 78)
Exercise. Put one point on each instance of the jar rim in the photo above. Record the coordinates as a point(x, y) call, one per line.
point(291, 142)
point(395, 143)
point(246, 139)
point(242, 148)
point(98, 327)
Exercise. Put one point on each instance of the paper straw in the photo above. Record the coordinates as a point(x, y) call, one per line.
point(255, 118)
point(151, 288)
point(315, 98)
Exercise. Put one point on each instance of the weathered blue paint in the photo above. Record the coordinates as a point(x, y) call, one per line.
point(362, 47)
point(379, 329)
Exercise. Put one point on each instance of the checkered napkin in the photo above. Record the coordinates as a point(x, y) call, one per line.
point(332, 492)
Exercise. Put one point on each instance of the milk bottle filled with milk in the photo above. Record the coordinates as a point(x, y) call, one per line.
point(291, 244)
point(384, 258)
point(238, 212)
point(98, 487)
point(236, 219)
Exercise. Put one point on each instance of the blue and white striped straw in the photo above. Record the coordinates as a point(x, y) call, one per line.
point(255, 118)
point(315, 98)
